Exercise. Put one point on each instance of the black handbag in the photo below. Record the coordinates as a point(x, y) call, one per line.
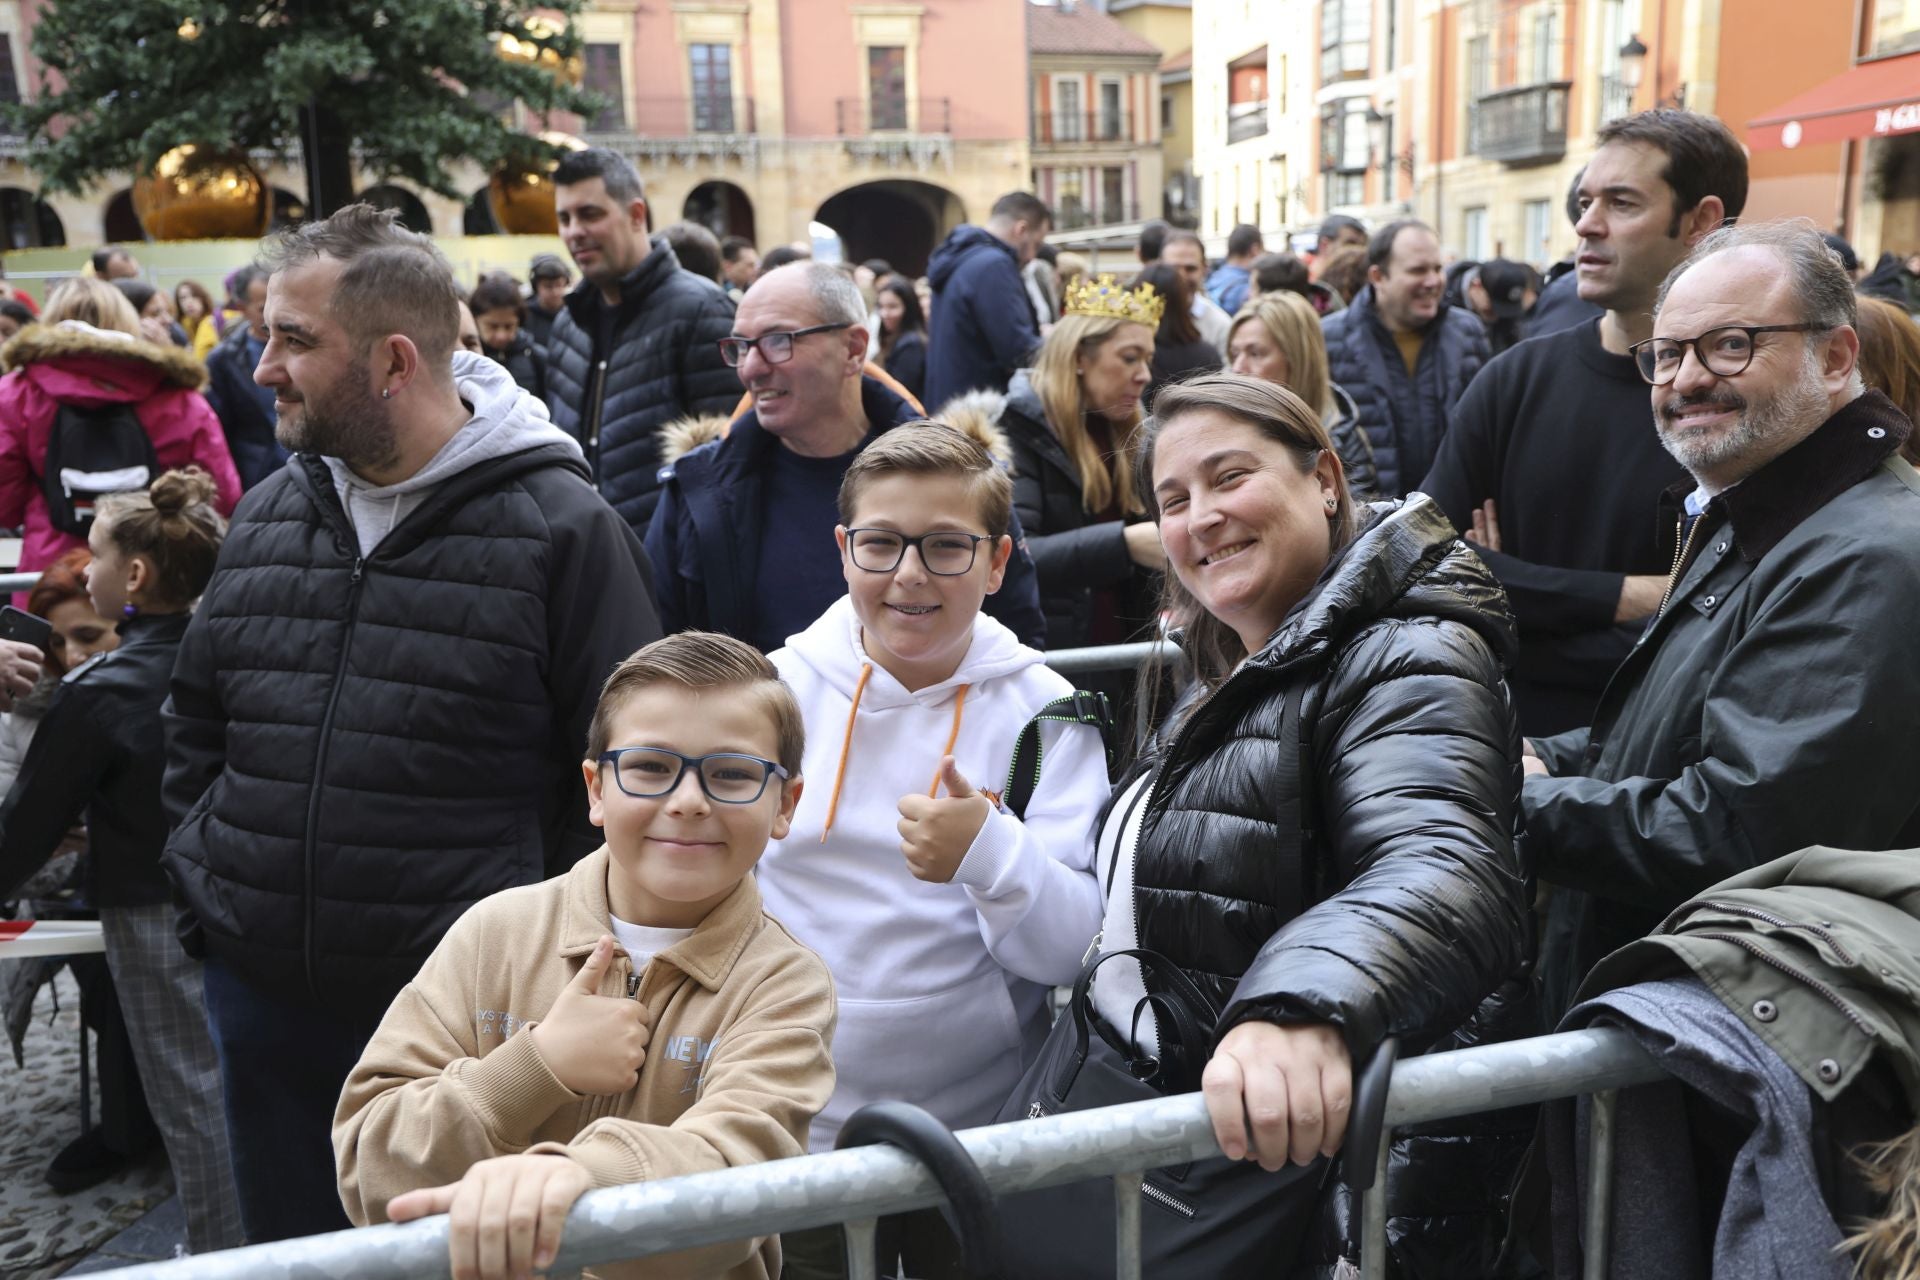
point(1217, 1218)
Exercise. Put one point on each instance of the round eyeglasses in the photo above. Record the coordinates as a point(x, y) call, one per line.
point(647, 773)
point(1724, 352)
point(882, 550)
point(775, 348)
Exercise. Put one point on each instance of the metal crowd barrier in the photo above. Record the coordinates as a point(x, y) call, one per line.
point(11, 582)
point(1111, 657)
point(860, 1185)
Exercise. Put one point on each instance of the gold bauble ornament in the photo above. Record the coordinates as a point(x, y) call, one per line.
point(198, 192)
point(514, 48)
point(521, 196)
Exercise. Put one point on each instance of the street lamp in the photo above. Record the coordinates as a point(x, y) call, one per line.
point(1633, 67)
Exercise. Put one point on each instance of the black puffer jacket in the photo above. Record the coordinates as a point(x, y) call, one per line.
point(664, 364)
point(360, 748)
point(1409, 910)
point(98, 751)
point(1404, 415)
point(526, 361)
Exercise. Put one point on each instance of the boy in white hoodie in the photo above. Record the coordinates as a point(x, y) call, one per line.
point(944, 918)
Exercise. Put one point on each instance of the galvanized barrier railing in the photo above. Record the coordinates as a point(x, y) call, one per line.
point(858, 1186)
point(11, 582)
point(1111, 657)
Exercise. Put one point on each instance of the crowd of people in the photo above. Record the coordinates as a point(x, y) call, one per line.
point(548, 735)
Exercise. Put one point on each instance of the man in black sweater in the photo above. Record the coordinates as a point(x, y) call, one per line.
point(1551, 466)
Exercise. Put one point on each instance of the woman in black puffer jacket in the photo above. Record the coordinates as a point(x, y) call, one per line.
point(1322, 837)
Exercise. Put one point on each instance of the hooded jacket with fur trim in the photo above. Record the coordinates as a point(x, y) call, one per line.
point(943, 987)
point(48, 366)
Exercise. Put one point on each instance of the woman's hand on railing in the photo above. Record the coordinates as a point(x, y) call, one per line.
point(504, 1217)
point(1279, 1092)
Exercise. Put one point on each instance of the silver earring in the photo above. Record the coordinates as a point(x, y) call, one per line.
point(386, 393)
point(1331, 504)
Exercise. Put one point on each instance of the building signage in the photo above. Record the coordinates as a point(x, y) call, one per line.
point(1898, 119)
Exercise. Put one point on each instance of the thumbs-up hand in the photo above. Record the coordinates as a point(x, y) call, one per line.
point(936, 832)
point(594, 1044)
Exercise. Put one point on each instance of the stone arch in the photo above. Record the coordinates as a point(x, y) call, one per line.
point(120, 222)
point(723, 208)
point(289, 210)
point(898, 219)
point(478, 219)
point(28, 222)
point(413, 213)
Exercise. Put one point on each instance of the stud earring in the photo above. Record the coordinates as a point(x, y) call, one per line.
point(128, 610)
point(386, 393)
point(1332, 505)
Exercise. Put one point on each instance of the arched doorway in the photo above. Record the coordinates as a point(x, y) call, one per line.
point(28, 222)
point(722, 208)
point(899, 220)
point(478, 220)
point(413, 214)
point(120, 224)
point(289, 210)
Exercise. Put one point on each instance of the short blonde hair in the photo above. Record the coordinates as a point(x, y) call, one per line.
point(698, 661)
point(928, 448)
point(1294, 326)
point(93, 301)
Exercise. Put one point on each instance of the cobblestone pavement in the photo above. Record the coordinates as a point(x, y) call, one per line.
point(43, 1233)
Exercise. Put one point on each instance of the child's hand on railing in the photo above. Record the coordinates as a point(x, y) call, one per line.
point(505, 1215)
point(935, 833)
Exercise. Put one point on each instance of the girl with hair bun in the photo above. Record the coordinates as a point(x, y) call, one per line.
point(99, 751)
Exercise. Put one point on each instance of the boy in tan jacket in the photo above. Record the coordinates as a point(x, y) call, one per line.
point(637, 1018)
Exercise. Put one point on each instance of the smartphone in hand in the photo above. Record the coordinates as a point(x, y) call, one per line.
point(18, 624)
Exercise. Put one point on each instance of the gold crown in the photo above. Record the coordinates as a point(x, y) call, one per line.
point(1103, 297)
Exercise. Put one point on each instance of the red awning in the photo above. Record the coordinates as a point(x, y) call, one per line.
point(1871, 100)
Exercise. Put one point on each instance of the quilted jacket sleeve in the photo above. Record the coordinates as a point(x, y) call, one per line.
point(707, 385)
point(1416, 756)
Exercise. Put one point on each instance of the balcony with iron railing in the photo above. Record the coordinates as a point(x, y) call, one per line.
point(677, 118)
point(883, 114)
point(1070, 215)
point(1246, 120)
point(1076, 128)
point(1616, 99)
point(1520, 126)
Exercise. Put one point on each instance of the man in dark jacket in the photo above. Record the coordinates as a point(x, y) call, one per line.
point(377, 714)
point(743, 538)
point(635, 346)
point(983, 326)
point(1403, 354)
point(1552, 467)
point(1770, 704)
point(244, 407)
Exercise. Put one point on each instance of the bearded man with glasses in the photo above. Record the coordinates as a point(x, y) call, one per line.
point(1771, 702)
point(742, 542)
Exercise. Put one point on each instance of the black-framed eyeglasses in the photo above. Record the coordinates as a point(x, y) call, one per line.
point(1724, 352)
point(647, 773)
point(775, 348)
point(944, 553)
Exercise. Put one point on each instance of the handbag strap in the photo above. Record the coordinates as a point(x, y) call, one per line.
point(1192, 1013)
point(1023, 772)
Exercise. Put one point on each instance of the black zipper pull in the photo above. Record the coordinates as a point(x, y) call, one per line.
point(633, 985)
point(359, 570)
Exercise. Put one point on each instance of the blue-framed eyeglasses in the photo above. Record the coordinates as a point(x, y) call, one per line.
point(647, 773)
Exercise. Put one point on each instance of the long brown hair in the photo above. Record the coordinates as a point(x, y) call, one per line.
point(1278, 414)
point(1890, 361)
point(1057, 382)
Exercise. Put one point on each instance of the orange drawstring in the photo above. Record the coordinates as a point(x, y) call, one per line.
point(959, 705)
point(846, 746)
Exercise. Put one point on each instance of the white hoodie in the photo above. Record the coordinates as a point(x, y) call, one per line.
point(943, 987)
point(506, 420)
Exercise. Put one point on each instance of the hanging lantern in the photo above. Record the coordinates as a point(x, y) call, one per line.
point(515, 47)
point(198, 192)
point(521, 196)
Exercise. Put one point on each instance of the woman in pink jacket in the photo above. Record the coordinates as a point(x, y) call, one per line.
point(85, 353)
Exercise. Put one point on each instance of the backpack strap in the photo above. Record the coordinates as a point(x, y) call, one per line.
point(1023, 774)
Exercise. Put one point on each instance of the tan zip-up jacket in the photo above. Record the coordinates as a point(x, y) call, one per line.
point(738, 1064)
